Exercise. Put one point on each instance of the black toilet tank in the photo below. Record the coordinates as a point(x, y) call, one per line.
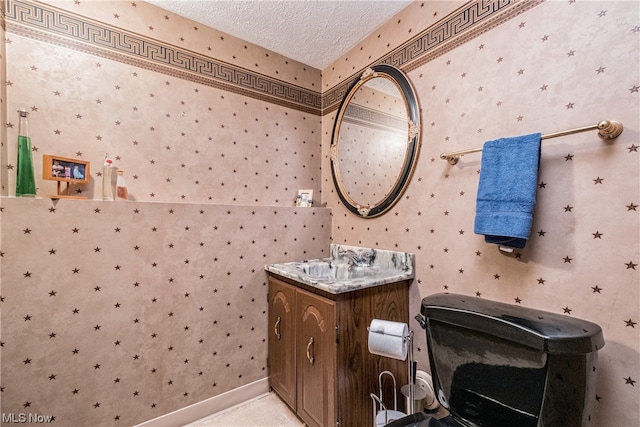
point(502, 365)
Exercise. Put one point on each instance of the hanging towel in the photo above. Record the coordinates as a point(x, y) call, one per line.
point(507, 190)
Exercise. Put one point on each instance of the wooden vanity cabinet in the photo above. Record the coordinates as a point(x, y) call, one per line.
point(315, 358)
point(318, 357)
point(282, 341)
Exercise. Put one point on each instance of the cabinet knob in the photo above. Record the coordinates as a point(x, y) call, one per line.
point(309, 349)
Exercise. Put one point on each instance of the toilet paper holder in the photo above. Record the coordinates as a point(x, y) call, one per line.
point(411, 368)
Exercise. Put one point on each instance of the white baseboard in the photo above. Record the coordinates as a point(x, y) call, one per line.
point(209, 406)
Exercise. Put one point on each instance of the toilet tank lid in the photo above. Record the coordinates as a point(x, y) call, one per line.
point(544, 331)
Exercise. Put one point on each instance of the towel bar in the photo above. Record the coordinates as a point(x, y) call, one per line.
point(607, 129)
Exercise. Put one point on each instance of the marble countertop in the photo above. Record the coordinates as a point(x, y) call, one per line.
point(349, 268)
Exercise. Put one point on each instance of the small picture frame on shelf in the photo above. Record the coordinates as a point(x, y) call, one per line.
point(65, 169)
point(304, 198)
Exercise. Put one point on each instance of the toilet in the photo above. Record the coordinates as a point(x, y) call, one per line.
point(502, 365)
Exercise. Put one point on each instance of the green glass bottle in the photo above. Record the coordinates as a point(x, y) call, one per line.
point(25, 176)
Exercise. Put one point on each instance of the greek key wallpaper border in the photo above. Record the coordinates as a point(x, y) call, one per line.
point(457, 28)
point(51, 25)
point(59, 27)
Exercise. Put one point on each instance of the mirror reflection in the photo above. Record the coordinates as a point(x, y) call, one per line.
point(372, 141)
point(375, 144)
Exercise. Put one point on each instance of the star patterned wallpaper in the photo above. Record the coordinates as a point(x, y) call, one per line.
point(556, 66)
point(114, 313)
point(175, 140)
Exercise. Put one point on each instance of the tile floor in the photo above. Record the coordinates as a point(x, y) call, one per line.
point(263, 411)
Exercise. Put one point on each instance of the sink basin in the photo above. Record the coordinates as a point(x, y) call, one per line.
point(349, 268)
point(335, 270)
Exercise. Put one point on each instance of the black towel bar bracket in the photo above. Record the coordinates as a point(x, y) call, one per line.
point(607, 129)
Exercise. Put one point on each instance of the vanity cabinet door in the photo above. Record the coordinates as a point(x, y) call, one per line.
point(316, 359)
point(282, 341)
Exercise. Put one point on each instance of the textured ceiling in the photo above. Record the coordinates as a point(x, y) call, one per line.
point(314, 32)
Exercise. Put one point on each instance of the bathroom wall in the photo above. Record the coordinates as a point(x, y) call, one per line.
point(239, 126)
point(114, 313)
point(507, 69)
point(4, 173)
point(104, 305)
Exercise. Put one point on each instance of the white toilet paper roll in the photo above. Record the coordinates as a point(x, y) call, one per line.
point(387, 338)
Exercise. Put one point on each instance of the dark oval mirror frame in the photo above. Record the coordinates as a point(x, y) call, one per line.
point(413, 142)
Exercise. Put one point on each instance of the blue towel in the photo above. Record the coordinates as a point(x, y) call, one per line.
point(507, 190)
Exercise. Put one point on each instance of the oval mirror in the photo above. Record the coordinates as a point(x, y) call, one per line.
point(375, 141)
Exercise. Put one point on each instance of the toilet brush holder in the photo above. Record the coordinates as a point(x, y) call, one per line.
point(414, 399)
